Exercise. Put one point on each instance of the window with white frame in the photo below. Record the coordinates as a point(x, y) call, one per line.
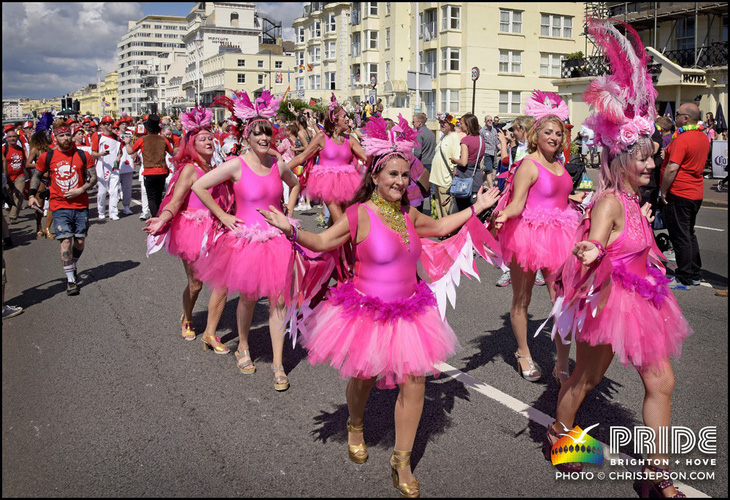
point(315, 54)
point(510, 61)
point(509, 102)
point(300, 58)
point(241, 63)
point(371, 70)
point(387, 38)
point(428, 62)
point(315, 82)
point(387, 8)
point(550, 64)
point(428, 24)
point(331, 23)
point(556, 26)
point(330, 50)
point(299, 83)
point(355, 72)
point(450, 58)
point(371, 37)
point(329, 80)
point(300, 34)
point(241, 78)
point(260, 79)
point(450, 17)
point(260, 63)
point(315, 29)
point(450, 101)
point(387, 71)
point(510, 21)
point(371, 9)
point(355, 44)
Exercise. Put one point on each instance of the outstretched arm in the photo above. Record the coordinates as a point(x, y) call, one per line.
point(332, 238)
point(427, 226)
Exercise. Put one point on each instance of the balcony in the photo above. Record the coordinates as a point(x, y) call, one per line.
point(598, 66)
point(714, 54)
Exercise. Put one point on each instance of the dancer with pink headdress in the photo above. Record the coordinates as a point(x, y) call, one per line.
point(183, 220)
point(384, 324)
point(535, 222)
point(247, 256)
point(335, 179)
point(613, 295)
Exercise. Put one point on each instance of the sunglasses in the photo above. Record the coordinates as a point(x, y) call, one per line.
point(678, 114)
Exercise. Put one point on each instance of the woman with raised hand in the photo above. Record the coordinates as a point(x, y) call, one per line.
point(184, 221)
point(384, 324)
point(248, 256)
point(613, 294)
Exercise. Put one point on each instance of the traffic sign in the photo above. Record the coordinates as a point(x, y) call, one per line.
point(371, 99)
point(474, 74)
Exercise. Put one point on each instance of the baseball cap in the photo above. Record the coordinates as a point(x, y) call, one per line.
point(8, 128)
point(107, 119)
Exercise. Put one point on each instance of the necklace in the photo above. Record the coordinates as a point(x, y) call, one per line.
point(629, 196)
point(393, 215)
point(687, 128)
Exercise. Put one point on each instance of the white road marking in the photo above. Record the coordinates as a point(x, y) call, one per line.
point(710, 229)
point(137, 203)
point(537, 416)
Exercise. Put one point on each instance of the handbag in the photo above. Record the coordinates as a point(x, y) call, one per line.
point(461, 186)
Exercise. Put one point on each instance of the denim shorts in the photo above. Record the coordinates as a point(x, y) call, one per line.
point(71, 223)
point(489, 161)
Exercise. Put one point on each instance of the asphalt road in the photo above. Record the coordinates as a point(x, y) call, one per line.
point(101, 396)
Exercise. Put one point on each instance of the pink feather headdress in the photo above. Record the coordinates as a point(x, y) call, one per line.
point(541, 104)
point(379, 141)
point(196, 119)
point(241, 107)
point(332, 107)
point(623, 101)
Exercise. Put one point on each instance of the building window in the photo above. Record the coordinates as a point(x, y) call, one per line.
point(300, 58)
point(234, 20)
point(387, 38)
point(315, 29)
point(355, 44)
point(450, 59)
point(371, 71)
point(261, 79)
point(278, 64)
point(315, 55)
point(300, 83)
point(387, 8)
point(451, 17)
point(510, 61)
point(371, 37)
point(428, 24)
point(428, 62)
point(387, 71)
point(355, 73)
point(241, 63)
point(509, 102)
point(556, 26)
point(329, 79)
point(371, 9)
point(510, 21)
point(330, 50)
point(686, 33)
point(300, 34)
point(331, 23)
point(315, 82)
point(450, 101)
point(550, 64)
point(242, 78)
point(260, 63)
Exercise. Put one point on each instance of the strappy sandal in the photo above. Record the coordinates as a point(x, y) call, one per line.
point(651, 489)
point(215, 345)
point(281, 382)
point(189, 333)
point(533, 374)
point(247, 367)
point(547, 447)
point(358, 452)
point(403, 459)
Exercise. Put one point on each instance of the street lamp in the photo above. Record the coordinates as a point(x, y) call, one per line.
point(136, 88)
point(198, 45)
point(98, 88)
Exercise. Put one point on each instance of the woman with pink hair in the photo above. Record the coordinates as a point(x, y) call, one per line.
point(335, 179)
point(535, 222)
point(613, 295)
point(183, 220)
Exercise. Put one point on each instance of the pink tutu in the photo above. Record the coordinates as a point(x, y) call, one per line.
point(364, 336)
point(333, 184)
point(539, 238)
point(641, 320)
point(250, 260)
point(186, 233)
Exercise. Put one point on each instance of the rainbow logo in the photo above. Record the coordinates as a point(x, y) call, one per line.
point(577, 446)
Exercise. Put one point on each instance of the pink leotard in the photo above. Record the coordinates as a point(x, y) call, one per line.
point(550, 190)
point(631, 248)
point(384, 266)
point(194, 202)
point(335, 154)
point(254, 191)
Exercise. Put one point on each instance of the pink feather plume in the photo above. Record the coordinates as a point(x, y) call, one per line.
point(541, 104)
point(196, 119)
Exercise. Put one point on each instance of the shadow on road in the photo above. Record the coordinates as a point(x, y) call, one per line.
point(441, 395)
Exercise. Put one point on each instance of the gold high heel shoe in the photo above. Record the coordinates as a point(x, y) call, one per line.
point(281, 383)
point(403, 459)
point(355, 451)
point(48, 234)
point(218, 349)
point(189, 333)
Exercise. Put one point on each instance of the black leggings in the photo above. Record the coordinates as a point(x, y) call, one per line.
point(155, 186)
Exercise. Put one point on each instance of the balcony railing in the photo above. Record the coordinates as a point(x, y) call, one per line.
point(597, 66)
point(714, 54)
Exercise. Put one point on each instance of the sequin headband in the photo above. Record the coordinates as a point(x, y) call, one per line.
point(250, 124)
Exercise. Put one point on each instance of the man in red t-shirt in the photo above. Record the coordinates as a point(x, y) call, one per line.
point(14, 169)
point(682, 192)
point(72, 174)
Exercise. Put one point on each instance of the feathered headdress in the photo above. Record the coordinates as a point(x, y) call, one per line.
point(623, 101)
point(45, 122)
point(379, 141)
point(196, 119)
point(242, 108)
point(541, 104)
point(332, 107)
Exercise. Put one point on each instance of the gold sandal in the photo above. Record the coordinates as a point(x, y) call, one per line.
point(355, 451)
point(189, 333)
point(247, 367)
point(281, 382)
point(403, 459)
point(218, 348)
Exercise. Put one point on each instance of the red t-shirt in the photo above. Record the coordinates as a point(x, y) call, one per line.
point(15, 158)
point(67, 172)
point(689, 150)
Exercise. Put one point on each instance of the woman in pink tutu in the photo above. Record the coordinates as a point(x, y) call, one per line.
point(384, 325)
point(537, 225)
point(184, 220)
point(335, 179)
point(247, 256)
point(613, 296)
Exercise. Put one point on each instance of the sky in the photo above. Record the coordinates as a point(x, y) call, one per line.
point(53, 48)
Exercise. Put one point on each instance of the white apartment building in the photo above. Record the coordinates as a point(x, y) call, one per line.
point(12, 110)
point(149, 39)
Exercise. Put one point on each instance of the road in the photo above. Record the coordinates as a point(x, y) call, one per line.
point(101, 397)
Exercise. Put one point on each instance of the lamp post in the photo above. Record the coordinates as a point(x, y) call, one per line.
point(98, 88)
point(136, 96)
point(198, 44)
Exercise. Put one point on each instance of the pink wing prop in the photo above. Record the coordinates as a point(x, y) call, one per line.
point(442, 263)
point(541, 104)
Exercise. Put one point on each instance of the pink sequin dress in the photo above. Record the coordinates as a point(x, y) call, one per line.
point(641, 319)
point(334, 179)
point(383, 323)
point(251, 259)
point(541, 237)
point(189, 226)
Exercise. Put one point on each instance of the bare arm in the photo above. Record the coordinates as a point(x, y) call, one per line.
point(313, 148)
point(187, 177)
point(464, 158)
point(230, 170)
point(670, 173)
point(606, 225)
point(292, 181)
point(358, 150)
point(525, 177)
point(427, 226)
point(332, 238)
